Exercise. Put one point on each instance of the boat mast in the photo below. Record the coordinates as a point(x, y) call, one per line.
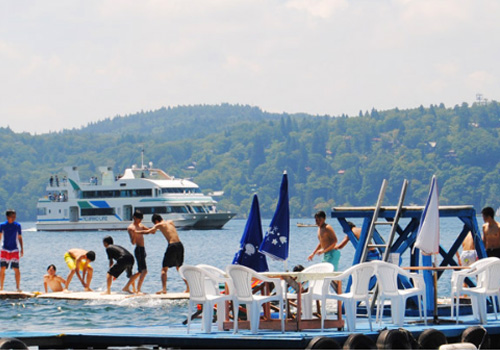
point(142, 157)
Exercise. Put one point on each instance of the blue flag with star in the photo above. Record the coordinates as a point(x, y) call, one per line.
point(275, 243)
point(248, 255)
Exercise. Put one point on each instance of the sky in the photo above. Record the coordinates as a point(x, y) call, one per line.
point(65, 63)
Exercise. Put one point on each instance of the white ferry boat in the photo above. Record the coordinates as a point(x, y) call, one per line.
point(107, 202)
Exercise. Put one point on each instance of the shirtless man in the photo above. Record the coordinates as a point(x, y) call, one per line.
point(53, 281)
point(491, 232)
point(327, 242)
point(136, 231)
point(373, 253)
point(79, 260)
point(174, 255)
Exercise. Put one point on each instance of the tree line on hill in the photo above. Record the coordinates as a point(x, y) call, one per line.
point(242, 150)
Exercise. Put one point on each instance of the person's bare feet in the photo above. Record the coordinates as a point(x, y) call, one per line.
point(161, 292)
point(105, 293)
point(127, 290)
point(89, 290)
point(19, 290)
point(140, 293)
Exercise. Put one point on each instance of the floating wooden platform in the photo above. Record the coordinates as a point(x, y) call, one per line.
point(176, 336)
point(112, 296)
point(90, 296)
point(15, 295)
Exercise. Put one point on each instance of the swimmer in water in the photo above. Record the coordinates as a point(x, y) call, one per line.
point(53, 281)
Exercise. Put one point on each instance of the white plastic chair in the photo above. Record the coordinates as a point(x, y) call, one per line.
point(457, 283)
point(488, 285)
point(387, 282)
point(242, 281)
point(361, 275)
point(201, 291)
point(221, 274)
point(314, 290)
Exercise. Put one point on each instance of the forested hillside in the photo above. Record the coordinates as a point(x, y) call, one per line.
point(331, 161)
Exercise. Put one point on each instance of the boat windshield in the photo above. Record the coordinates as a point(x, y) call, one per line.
point(180, 190)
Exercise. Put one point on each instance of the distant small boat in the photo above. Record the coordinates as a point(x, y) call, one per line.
point(300, 224)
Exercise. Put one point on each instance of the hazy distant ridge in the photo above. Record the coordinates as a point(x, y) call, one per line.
point(243, 150)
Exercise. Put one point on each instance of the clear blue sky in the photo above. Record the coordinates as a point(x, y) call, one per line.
point(65, 63)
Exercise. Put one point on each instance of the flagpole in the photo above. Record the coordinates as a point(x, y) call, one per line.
point(436, 316)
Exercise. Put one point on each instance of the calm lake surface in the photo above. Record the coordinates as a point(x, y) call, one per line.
point(215, 247)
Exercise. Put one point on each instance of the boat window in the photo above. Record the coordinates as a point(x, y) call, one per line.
point(163, 210)
point(198, 209)
point(181, 190)
point(147, 192)
point(153, 210)
point(97, 211)
point(42, 211)
point(176, 209)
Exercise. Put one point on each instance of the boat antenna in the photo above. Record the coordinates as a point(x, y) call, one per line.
point(142, 156)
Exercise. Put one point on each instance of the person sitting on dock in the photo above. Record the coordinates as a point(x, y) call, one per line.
point(124, 262)
point(79, 260)
point(10, 234)
point(469, 254)
point(491, 232)
point(174, 255)
point(53, 281)
point(327, 241)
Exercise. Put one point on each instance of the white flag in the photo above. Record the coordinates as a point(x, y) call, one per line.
point(428, 231)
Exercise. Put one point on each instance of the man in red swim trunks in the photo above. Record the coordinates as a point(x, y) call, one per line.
point(10, 231)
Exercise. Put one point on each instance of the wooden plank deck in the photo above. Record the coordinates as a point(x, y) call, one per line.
point(112, 296)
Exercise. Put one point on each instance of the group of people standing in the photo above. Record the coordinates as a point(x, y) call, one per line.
point(120, 259)
point(79, 260)
point(55, 180)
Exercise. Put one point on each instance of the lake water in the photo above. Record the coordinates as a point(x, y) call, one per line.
point(215, 247)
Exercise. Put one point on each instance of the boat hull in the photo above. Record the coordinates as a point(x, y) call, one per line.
point(188, 222)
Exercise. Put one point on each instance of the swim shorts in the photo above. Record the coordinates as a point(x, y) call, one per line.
point(468, 257)
point(140, 256)
point(71, 262)
point(9, 257)
point(174, 255)
point(124, 263)
point(333, 257)
point(493, 252)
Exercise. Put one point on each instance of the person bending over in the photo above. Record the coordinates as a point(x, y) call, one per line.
point(124, 262)
point(78, 260)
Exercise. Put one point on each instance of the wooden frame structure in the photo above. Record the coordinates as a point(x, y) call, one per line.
point(407, 235)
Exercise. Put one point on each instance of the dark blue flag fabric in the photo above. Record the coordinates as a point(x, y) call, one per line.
point(275, 243)
point(248, 255)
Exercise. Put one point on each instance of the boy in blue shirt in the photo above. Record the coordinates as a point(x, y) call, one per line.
point(10, 234)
